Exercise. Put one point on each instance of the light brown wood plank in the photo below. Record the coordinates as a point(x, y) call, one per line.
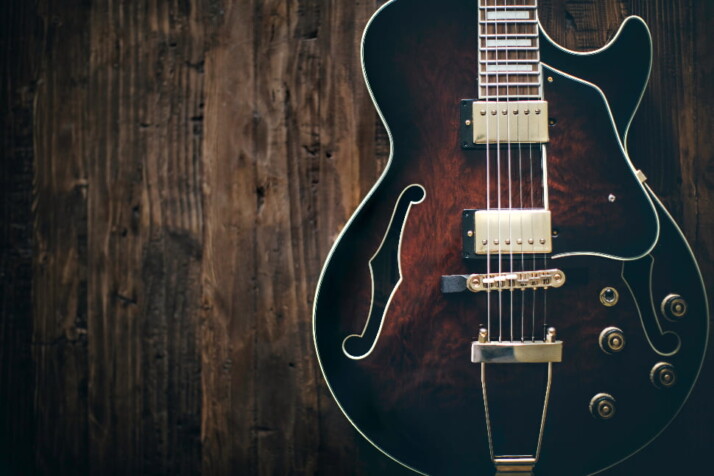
point(286, 104)
point(231, 203)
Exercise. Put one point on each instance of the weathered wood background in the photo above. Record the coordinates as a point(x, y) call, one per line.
point(174, 172)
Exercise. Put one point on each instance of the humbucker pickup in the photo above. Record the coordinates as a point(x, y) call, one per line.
point(503, 123)
point(511, 231)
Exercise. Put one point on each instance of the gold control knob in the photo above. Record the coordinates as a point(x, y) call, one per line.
point(612, 340)
point(602, 406)
point(663, 375)
point(609, 296)
point(674, 307)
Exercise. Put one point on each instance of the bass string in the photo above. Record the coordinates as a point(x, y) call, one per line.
point(488, 164)
point(498, 175)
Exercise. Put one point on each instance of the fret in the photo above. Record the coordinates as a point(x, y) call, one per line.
point(506, 72)
point(510, 48)
point(485, 22)
point(504, 7)
point(499, 61)
point(498, 85)
point(509, 35)
point(513, 96)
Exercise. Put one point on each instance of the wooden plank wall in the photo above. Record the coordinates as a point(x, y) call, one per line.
point(174, 173)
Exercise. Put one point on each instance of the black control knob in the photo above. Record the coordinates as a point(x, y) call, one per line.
point(612, 340)
point(663, 375)
point(674, 307)
point(602, 406)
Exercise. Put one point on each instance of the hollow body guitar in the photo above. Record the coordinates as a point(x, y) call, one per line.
point(510, 296)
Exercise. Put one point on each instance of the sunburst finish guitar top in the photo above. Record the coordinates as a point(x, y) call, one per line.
point(510, 296)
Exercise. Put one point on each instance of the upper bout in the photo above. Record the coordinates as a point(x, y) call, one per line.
point(620, 69)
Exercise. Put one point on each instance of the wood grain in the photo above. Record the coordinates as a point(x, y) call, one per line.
point(60, 240)
point(173, 176)
point(145, 221)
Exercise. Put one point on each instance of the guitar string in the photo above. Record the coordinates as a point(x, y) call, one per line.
point(510, 176)
point(531, 234)
point(520, 194)
point(534, 294)
point(498, 178)
point(545, 185)
point(532, 205)
point(484, 53)
point(532, 193)
point(520, 185)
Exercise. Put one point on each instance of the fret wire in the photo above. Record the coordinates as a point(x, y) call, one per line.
point(510, 48)
point(512, 60)
point(509, 35)
point(495, 85)
point(491, 22)
point(527, 60)
point(508, 7)
point(510, 72)
point(511, 96)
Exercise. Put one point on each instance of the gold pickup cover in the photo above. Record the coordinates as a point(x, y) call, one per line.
point(510, 122)
point(512, 231)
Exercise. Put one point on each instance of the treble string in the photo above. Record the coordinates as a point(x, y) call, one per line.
point(510, 188)
point(532, 187)
point(484, 87)
point(544, 155)
point(545, 256)
point(520, 194)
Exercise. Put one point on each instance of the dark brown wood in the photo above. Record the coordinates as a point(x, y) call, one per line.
point(17, 92)
point(60, 242)
point(145, 225)
point(232, 141)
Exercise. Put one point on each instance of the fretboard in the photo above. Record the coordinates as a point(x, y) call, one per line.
point(509, 57)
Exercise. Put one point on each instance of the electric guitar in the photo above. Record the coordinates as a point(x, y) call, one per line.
point(510, 296)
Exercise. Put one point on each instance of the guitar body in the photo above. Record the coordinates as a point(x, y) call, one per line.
point(396, 350)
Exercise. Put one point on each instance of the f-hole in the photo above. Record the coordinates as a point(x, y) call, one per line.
point(638, 277)
point(385, 270)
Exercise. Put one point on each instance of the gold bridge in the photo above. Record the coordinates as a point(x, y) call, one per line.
point(548, 278)
point(506, 281)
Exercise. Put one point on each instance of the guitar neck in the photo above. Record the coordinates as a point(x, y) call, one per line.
point(509, 55)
